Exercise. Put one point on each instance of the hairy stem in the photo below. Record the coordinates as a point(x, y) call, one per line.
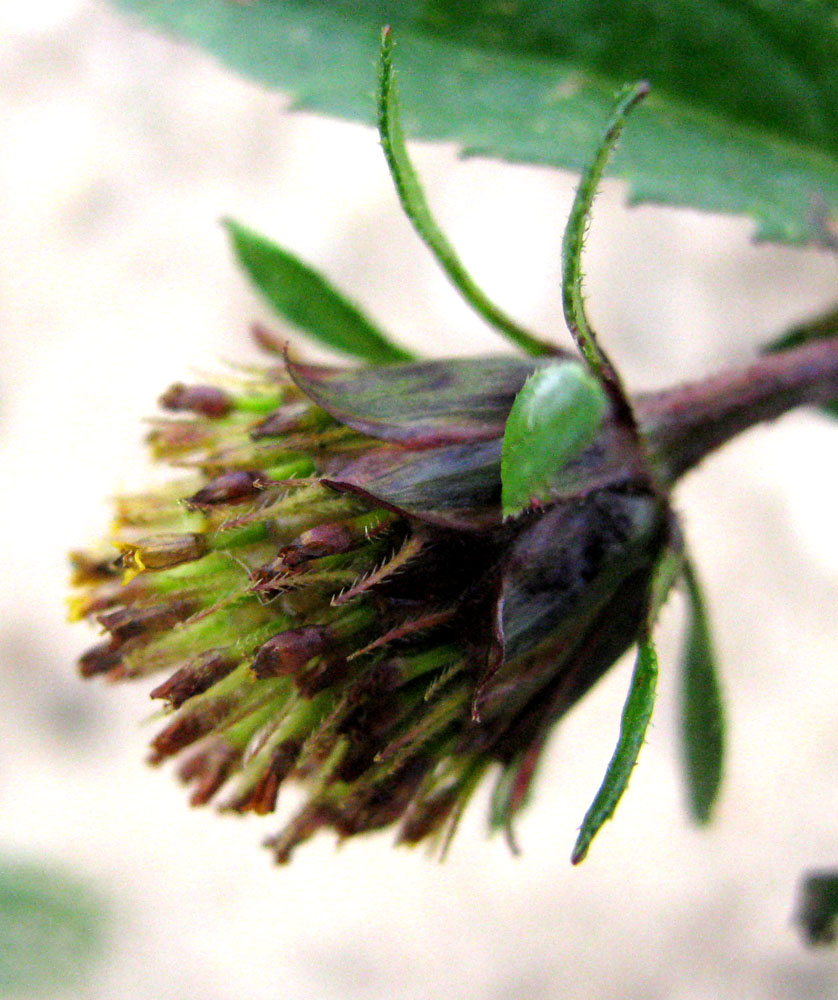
point(684, 424)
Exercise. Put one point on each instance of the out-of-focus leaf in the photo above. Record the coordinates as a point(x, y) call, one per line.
point(513, 788)
point(702, 714)
point(424, 404)
point(304, 298)
point(817, 329)
point(818, 910)
point(636, 715)
point(416, 209)
point(743, 116)
point(555, 416)
point(667, 574)
point(51, 930)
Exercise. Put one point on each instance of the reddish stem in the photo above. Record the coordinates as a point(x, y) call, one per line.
point(684, 424)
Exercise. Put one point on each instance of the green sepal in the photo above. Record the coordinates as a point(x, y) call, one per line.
point(308, 301)
point(415, 206)
point(702, 713)
point(556, 415)
point(635, 721)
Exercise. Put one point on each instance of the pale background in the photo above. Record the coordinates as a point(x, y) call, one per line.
point(118, 152)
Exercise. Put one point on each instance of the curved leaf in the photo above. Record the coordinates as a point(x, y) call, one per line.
point(637, 713)
point(303, 297)
point(573, 242)
point(416, 209)
point(743, 115)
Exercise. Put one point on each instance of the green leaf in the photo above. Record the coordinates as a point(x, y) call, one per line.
point(416, 209)
point(743, 116)
point(513, 790)
point(821, 328)
point(818, 911)
point(555, 416)
point(51, 930)
point(636, 715)
point(304, 298)
point(702, 715)
point(573, 242)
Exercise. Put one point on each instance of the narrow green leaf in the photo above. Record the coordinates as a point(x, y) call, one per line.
point(416, 208)
point(743, 118)
point(821, 328)
point(51, 930)
point(304, 298)
point(555, 416)
point(574, 239)
point(501, 811)
point(702, 715)
point(818, 909)
point(667, 573)
point(636, 715)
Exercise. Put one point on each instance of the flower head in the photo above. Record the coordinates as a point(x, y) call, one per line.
point(332, 596)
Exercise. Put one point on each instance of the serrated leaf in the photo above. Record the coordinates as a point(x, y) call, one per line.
point(307, 300)
point(702, 715)
point(51, 930)
point(743, 116)
point(555, 416)
point(635, 721)
point(821, 328)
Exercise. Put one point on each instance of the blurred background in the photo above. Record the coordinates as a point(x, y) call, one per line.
point(120, 151)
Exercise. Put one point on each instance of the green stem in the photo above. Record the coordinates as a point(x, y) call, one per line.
point(415, 206)
point(573, 243)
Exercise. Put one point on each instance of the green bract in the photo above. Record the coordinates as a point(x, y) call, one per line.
point(558, 412)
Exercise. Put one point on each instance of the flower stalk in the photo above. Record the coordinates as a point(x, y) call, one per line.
point(685, 424)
